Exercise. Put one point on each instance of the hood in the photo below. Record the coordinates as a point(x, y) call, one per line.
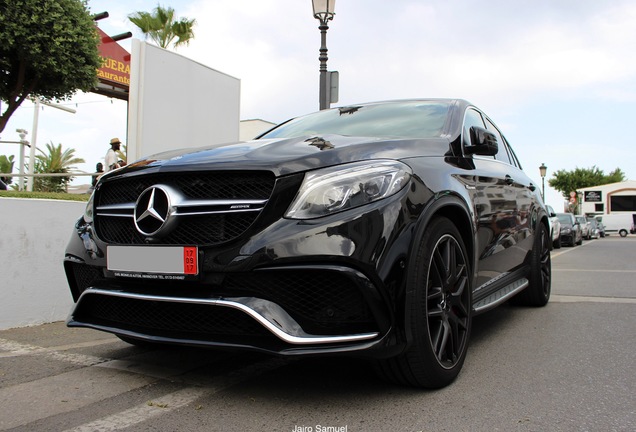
point(289, 155)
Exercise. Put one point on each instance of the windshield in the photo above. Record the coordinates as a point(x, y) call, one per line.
point(414, 119)
point(565, 218)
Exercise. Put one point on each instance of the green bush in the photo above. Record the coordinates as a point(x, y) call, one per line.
point(45, 195)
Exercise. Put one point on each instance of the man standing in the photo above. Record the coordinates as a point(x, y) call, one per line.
point(111, 159)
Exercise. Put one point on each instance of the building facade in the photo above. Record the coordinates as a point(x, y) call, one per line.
point(613, 198)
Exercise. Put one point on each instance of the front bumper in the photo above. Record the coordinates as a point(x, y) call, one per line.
point(293, 288)
point(308, 309)
point(233, 322)
point(568, 238)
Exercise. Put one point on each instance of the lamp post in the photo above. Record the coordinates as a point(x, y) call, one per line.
point(34, 137)
point(323, 12)
point(23, 133)
point(542, 170)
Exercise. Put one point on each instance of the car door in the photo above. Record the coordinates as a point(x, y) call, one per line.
point(502, 204)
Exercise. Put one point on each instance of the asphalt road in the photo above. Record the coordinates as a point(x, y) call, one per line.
point(566, 367)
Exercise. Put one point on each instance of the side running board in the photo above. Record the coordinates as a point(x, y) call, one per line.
point(500, 296)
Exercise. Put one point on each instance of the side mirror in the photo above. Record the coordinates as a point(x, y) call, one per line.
point(482, 142)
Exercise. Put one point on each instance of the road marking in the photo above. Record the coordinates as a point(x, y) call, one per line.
point(91, 386)
point(65, 392)
point(595, 271)
point(144, 412)
point(615, 238)
point(590, 299)
point(16, 349)
point(178, 399)
point(564, 251)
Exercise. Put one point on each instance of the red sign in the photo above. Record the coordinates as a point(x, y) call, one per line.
point(190, 264)
point(115, 70)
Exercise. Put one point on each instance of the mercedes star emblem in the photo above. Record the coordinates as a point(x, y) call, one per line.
point(153, 211)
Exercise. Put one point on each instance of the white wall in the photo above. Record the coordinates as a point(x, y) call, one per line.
point(175, 102)
point(34, 236)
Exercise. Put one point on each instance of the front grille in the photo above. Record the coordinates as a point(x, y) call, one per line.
point(216, 185)
point(84, 276)
point(321, 302)
point(169, 319)
point(195, 229)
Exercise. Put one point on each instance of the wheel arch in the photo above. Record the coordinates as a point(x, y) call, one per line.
point(459, 213)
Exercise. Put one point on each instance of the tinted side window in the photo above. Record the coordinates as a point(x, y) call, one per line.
point(471, 118)
point(513, 156)
point(502, 154)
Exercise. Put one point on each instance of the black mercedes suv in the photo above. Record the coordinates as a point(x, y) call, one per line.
point(373, 230)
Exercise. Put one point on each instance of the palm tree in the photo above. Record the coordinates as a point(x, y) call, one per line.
point(162, 28)
point(56, 161)
point(6, 166)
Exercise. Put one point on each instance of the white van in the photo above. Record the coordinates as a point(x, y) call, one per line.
point(622, 223)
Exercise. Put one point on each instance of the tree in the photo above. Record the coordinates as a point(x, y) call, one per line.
point(48, 49)
point(571, 181)
point(56, 161)
point(162, 28)
point(6, 167)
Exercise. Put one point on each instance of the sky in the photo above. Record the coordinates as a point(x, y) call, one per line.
point(557, 76)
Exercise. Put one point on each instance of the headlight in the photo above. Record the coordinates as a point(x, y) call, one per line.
point(566, 231)
point(88, 211)
point(343, 187)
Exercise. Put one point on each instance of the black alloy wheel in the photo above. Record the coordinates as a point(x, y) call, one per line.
point(440, 311)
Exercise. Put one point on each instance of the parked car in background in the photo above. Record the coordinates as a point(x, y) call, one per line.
point(594, 229)
point(374, 230)
point(555, 227)
point(585, 227)
point(621, 223)
point(570, 229)
point(601, 227)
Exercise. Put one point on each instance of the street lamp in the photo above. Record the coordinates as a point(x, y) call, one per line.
point(22, 133)
point(542, 170)
point(324, 12)
point(36, 115)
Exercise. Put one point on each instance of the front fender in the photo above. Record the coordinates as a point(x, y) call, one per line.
point(453, 207)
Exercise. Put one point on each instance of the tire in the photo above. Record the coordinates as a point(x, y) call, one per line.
point(623, 233)
point(440, 311)
point(540, 277)
point(580, 242)
point(557, 243)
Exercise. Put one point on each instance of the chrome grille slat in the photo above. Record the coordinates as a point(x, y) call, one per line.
point(213, 207)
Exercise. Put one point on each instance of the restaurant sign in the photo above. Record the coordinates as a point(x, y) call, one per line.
point(114, 74)
point(593, 196)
